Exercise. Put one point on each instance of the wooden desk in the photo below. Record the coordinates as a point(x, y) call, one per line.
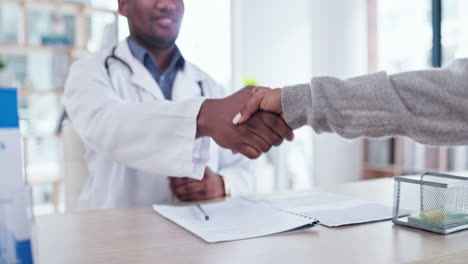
point(460, 257)
point(141, 236)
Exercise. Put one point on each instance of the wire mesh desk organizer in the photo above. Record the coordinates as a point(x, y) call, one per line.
point(434, 202)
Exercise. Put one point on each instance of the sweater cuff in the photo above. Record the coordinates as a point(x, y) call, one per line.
point(295, 101)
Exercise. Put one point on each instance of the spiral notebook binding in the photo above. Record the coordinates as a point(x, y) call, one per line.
point(314, 221)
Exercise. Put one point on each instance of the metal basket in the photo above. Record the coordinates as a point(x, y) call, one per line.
point(433, 202)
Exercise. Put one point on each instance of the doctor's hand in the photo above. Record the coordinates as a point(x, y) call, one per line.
point(189, 190)
point(254, 137)
point(267, 100)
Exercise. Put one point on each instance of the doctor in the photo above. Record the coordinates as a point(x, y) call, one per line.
point(142, 113)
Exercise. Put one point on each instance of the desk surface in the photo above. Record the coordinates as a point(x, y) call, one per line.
point(139, 235)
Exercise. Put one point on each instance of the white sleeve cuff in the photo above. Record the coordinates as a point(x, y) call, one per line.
point(227, 187)
point(200, 157)
point(239, 182)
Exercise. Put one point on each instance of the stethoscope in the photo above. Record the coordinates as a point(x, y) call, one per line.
point(112, 56)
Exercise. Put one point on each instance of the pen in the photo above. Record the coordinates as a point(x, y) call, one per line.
point(203, 212)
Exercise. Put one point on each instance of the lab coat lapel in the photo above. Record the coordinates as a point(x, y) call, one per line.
point(141, 76)
point(186, 83)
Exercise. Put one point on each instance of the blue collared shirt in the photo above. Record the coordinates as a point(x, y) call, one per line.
point(166, 79)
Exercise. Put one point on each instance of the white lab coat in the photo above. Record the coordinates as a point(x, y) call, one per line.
point(134, 138)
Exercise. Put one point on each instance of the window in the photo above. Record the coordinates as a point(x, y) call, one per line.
point(107, 4)
point(454, 38)
point(102, 31)
point(45, 27)
point(38, 42)
point(9, 19)
point(404, 41)
point(454, 33)
point(205, 37)
point(404, 35)
point(408, 39)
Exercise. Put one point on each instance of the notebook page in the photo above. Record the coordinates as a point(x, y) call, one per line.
point(331, 209)
point(232, 219)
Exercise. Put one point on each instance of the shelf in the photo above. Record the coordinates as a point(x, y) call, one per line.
point(39, 136)
point(31, 92)
point(63, 6)
point(27, 48)
point(378, 171)
point(81, 13)
point(385, 168)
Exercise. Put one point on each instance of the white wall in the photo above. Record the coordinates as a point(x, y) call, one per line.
point(205, 38)
point(339, 37)
point(287, 42)
point(271, 41)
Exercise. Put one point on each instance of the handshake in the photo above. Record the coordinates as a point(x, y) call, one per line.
point(249, 121)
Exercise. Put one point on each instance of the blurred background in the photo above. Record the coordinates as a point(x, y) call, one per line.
point(270, 42)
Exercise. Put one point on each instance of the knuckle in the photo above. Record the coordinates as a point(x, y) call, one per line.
point(285, 132)
point(249, 88)
point(276, 124)
point(268, 117)
point(273, 118)
point(262, 147)
point(247, 132)
point(254, 121)
point(251, 154)
point(278, 141)
point(244, 152)
point(263, 116)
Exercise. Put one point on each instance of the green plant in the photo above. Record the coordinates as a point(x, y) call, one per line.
point(248, 81)
point(2, 64)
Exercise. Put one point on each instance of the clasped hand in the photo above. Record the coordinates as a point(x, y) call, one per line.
point(253, 135)
point(188, 189)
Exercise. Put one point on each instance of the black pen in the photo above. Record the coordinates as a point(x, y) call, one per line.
point(203, 212)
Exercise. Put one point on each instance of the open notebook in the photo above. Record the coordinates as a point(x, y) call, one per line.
point(332, 210)
point(235, 219)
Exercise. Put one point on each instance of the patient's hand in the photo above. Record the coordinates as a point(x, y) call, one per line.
point(266, 100)
point(189, 190)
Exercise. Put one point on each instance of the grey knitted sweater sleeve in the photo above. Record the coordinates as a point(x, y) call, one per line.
point(429, 106)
